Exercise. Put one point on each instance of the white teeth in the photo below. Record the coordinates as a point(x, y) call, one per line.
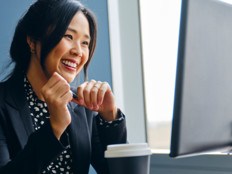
point(71, 64)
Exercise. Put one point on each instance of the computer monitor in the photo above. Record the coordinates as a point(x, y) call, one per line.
point(202, 118)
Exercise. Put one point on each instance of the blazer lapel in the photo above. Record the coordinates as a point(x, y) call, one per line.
point(18, 110)
point(80, 140)
point(21, 123)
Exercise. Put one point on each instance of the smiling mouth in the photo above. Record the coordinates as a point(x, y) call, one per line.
point(69, 63)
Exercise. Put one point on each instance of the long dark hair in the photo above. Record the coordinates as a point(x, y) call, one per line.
point(47, 21)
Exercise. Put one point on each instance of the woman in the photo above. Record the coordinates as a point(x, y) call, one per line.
point(43, 129)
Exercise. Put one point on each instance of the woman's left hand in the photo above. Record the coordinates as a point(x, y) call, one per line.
point(97, 96)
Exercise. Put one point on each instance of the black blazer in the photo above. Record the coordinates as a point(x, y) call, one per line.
point(22, 150)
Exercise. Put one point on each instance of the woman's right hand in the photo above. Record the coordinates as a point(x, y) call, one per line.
point(57, 95)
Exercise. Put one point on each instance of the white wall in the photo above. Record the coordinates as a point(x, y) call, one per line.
point(127, 65)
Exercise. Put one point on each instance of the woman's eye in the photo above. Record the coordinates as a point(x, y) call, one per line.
point(68, 36)
point(86, 43)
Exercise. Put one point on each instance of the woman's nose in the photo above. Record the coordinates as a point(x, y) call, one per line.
point(76, 50)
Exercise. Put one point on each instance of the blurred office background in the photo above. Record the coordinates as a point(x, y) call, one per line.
point(136, 53)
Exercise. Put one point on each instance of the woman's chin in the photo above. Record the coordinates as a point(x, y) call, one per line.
point(69, 79)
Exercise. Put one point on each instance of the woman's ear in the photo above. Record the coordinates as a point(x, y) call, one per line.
point(31, 44)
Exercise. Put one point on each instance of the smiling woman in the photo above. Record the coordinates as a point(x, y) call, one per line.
point(68, 57)
point(41, 130)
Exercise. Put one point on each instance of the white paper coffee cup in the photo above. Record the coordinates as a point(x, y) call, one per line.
point(128, 158)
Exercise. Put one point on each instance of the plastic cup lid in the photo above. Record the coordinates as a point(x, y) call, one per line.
point(127, 150)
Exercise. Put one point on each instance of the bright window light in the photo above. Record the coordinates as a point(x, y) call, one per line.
point(160, 31)
point(227, 1)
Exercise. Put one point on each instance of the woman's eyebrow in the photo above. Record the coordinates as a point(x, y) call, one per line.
point(75, 31)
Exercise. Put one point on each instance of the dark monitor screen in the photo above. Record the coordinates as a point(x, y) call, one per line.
point(202, 118)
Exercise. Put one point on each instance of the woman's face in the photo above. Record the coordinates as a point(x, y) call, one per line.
point(71, 53)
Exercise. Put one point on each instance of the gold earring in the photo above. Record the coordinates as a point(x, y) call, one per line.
point(32, 51)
